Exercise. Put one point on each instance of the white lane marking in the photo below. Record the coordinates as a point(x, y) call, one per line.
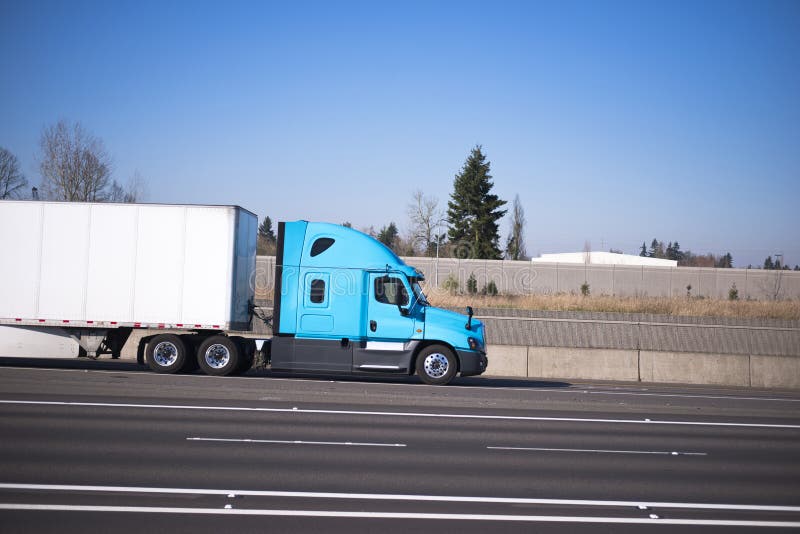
point(401, 414)
point(665, 453)
point(297, 442)
point(574, 389)
point(394, 515)
point(683, 396)
point(397, 497)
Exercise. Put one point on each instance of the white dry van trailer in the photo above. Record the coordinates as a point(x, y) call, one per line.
point(77, 278)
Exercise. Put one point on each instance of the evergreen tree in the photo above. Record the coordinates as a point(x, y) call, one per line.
point(725, 261)
point(265, 229)
point(676, 252)
point(643, 252)
point(473, 213)
point(388, 235)
point(656, 249)
point(768, 263)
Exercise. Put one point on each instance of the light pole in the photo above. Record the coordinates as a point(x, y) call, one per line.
point(438, 235)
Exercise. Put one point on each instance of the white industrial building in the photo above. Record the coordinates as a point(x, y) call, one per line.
point(603, 258)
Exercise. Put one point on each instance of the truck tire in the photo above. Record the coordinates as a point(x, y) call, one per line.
point(166, 353)
point(247, 351)
point(436, 365)
point(218, 356)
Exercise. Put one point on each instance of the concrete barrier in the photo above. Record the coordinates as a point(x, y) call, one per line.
point(775, 372)
point(694, 368)
point(644, 366)
point(507, 360)
point(592, 364)
point(644, 348)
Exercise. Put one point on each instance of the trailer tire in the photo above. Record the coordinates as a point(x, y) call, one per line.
point(436, 365)
point(191, 341)
point(166, 353)
point(218, 356)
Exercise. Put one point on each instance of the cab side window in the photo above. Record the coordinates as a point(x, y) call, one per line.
point(390, 290)
point(317, 291)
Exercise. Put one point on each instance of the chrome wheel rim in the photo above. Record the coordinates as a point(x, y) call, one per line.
point(217, 356)
point(436, 365)
point(165, 354)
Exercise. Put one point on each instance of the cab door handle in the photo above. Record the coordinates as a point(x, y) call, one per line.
point(373, 326)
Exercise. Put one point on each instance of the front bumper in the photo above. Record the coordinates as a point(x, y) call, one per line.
point(472, 362)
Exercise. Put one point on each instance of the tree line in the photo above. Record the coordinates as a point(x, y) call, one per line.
point(468, 228)
point(74, 166)
point(777, 264)
point(685, 258)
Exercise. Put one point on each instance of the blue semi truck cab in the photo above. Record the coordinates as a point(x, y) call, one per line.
point(345, 303)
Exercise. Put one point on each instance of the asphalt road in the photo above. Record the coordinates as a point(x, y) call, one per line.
point(114, 447)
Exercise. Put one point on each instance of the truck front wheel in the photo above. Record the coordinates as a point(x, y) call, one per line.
point(436, 365)
point(166, 353)
point(218, 355)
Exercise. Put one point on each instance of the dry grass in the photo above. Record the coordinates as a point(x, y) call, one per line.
point(784, 309)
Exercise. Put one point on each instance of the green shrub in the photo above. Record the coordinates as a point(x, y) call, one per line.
point(585, 289)
point(472, 284)
point(733, 293)
point(490, 289)
point(451, 284)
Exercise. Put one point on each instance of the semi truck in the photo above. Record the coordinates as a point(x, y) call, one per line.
point(77, 279)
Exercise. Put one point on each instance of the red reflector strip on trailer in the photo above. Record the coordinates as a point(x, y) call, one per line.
point(216, 326)
point(179, 325)
point(41, 320)
point(89, 322)
point(137, 325)
point(113, 322)
point(198, 325)
point(65, 321)
point(18, 319)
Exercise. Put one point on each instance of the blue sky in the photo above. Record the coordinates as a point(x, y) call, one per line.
point(615, 122)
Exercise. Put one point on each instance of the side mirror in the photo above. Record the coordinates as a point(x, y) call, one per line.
point(470, 313)
point(403, 311)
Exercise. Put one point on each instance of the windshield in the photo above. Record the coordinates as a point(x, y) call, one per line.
point(418, 293)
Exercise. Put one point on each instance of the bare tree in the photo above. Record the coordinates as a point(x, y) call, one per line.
point(74, 164)
point(425, 218)
point(515, 245)
point(133, 191)
point(12, 182)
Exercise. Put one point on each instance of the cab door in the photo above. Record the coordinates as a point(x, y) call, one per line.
point(388, 318)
